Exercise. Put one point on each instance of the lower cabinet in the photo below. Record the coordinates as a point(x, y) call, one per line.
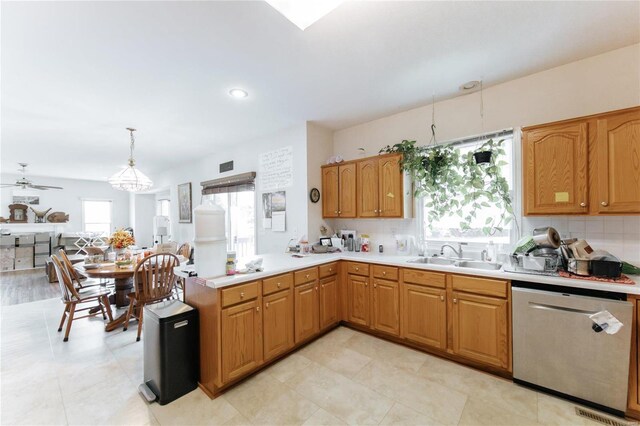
point(241, 340)
point(277, 323)
point(328, 300)
point(424, 316)
point(480, 328)
point(386, 306)
point(358, 299)
point(306, 311)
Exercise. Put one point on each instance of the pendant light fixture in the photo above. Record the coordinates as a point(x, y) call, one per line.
point(130, 179)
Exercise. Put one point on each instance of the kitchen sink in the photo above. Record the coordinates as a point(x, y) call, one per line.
point(478, 264)
point(433, 260)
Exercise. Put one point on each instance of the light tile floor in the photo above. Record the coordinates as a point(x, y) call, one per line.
point(345, 377)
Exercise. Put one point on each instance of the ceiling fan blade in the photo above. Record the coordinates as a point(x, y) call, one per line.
point(44, 187)
point(9, 184)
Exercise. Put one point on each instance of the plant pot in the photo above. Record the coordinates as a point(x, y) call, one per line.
point(482, 157)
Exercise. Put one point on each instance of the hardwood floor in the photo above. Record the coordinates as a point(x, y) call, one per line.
point(26, 286)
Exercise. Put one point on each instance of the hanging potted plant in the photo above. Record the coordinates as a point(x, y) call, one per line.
point(484, 153)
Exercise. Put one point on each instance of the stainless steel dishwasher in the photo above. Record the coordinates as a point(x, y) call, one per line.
point(557, 349)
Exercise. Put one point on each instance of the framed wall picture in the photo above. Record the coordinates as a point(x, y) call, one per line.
point(184, 203)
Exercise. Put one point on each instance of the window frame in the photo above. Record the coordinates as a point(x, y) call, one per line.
point(83, 215)
point(516, 179)
point(228, 217)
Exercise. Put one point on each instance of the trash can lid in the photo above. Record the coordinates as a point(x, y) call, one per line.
point(168, 308)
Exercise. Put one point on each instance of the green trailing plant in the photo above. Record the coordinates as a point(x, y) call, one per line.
point(485, 186)
point(450, 181)
point(435, 173)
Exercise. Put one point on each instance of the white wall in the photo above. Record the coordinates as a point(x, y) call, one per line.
point(145, 210)
point(601, 83)
point(68, 200)
point(319, 149)
point(245, 158)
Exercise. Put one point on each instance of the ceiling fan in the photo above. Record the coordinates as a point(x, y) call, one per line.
point(25, 183)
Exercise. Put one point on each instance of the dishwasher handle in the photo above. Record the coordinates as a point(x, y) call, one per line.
point(544, 307)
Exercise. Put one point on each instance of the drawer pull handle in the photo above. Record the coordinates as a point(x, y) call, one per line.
point(583, 204)
point(384, 272)
point(266, 305)
point(366, 284)
point(357, 269)
point(257, 308)
point(242, 295)
point(336, 212)
point(375, 285)
point(455, 300)
point(604, 204)
point(330, 270)
point(307, 276)
point(442, 298)
point(316, 288)
point(278, 285)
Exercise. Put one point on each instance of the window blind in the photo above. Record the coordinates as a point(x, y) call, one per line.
point(238, 183)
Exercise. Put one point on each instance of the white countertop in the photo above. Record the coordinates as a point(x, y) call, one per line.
point(279, 263)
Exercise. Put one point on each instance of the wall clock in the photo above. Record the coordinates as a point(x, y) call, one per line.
point(314, 195)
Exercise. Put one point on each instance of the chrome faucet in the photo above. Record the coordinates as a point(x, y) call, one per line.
point(457, 252)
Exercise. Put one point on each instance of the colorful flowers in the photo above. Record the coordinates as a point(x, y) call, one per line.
point(121, 239)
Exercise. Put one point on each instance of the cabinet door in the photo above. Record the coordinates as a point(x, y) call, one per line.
point(306, 311)
point(330, 191)
point(358, 299)
point(480, 329)
point(277, 323)
point(391, 197)
point(618, 147)
point(367, 192)
point(424, 316)
point(241, 340)
point(328, 301)
point(386, 306)
point(347, 192)
point(555, 169)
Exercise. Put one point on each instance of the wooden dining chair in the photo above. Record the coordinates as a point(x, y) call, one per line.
point(185, 250)
point(72, 298)
point(79, 281)
point(153, 281)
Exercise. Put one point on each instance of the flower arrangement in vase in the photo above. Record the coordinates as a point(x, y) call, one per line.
point(121, 239)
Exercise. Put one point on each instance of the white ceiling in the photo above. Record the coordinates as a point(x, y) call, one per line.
point(75, 74)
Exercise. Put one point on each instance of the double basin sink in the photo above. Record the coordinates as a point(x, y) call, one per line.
point(460, 263)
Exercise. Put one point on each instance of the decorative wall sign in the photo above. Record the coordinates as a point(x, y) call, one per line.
point(276, 169)
point(184, 203)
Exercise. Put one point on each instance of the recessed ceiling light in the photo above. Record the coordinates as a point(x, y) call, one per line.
point(304, 13)
point(470, 85)
point(238, 93)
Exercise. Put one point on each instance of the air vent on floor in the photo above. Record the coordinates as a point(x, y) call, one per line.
point(597, 417)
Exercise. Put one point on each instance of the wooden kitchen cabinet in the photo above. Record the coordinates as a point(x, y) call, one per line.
point(328, 301)
point(587, 165)
point(380, 187)
point(358, 299)
point(618, 150)
point(555, 168)
point(278, 323)
point(480, 328)
point(241, 340)
point(306, 311)
point(339, 191)
point(424, 316)
point(386, 306)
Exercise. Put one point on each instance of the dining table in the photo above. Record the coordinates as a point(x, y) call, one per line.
point(123, 279)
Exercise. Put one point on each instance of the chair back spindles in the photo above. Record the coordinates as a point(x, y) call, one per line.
point(154, 277)
point(67, 289)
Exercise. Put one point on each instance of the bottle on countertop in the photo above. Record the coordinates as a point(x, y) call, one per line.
point(492, 252)
point(350, 243)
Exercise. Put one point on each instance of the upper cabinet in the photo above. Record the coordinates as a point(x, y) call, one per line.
point(555, 164)
point(339, 191)
point(618, 147)
point(588, 165)
point(367, 188)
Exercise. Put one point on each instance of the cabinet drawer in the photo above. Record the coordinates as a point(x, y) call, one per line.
point(240, 293)
point(306, 275)
point(358, 268)
point(328, 269)
point(273, 284)
point(416, 276)
point(478, 285)
point(386, 272)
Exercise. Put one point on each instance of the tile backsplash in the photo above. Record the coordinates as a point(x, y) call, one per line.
point(619, 235)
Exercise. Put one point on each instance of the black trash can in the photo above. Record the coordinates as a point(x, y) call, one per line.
point(171, 357)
